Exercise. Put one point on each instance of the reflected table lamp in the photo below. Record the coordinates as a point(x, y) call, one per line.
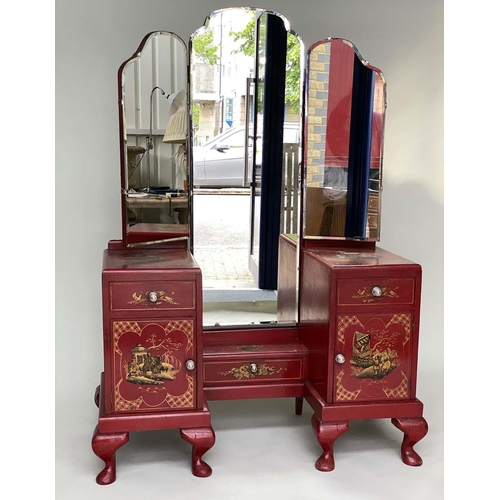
point(176, 132)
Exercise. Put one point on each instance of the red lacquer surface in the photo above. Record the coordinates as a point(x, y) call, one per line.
point(360, 291)
point(149, 372)
point(377, 353)
point(135, 296)
point(227, 372)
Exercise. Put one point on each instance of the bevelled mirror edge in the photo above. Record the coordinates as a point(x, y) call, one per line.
point(152, 99)
point(344, 117)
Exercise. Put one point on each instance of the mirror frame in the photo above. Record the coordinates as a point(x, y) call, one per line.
point(321, 240)
point(122, 138)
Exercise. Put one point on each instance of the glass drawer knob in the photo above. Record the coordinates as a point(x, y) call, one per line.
point(339, 358)
point(190, 365)
point(253, 368)
point(152, 296)
point(377, 291)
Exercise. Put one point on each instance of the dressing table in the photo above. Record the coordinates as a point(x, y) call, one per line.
point(345, 334)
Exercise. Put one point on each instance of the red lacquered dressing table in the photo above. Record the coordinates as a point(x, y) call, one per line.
point(347, 324)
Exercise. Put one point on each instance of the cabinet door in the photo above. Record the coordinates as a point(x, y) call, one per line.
point(372, 358)
point(149, 365)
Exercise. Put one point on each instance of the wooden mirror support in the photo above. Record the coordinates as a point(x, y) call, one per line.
point(351, 351)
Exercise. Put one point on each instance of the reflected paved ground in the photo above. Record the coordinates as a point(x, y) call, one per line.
point(221, 238)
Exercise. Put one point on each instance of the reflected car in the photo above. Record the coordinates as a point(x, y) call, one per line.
point(220, 162)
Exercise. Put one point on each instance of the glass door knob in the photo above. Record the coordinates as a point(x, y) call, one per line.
point(339, 358)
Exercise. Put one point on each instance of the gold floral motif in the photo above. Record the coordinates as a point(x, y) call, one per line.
point(139, 299)
point(365, 294)
point(243, 372)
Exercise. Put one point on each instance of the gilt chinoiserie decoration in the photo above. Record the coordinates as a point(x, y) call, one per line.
point(152, 297)
point(347, 326)
point(377, 357)
point(253, 370)
point(178, 296)
point(149, 365)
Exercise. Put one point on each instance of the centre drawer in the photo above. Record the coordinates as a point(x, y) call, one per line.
point(252, 371)
point(232, 363)
point(152, 295)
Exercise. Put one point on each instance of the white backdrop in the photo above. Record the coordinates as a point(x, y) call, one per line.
point(403, 38)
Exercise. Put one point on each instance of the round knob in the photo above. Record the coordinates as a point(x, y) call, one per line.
point(152, 296)
point(190, 365)
point(377, 291)
point(253, 368)
point(339, 358)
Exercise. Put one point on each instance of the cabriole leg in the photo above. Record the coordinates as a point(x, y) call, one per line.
point(202, 439)
point(414, 430)
point(326, 435)
point(105, 446)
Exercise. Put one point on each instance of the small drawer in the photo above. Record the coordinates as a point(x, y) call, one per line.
point(244, 371)
point(152, 295)
point(375, 291)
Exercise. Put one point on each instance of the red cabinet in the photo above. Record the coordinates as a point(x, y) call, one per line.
point(152, 378)
point(359, 319)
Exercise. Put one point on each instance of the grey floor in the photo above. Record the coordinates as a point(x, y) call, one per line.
point(262, 451)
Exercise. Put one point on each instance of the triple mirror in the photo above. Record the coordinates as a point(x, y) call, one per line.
point(216, 137)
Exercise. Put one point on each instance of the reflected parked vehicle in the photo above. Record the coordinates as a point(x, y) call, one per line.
point(220, 162)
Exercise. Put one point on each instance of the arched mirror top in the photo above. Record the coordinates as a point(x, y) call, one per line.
point(153, 103)
point(241, 10)
point(344, 130)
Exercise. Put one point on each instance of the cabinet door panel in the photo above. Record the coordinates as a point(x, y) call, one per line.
point(377, 353)
point(148, 365)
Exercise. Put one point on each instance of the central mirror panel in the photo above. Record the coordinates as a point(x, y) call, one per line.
point(343, 143)
point(245, 93)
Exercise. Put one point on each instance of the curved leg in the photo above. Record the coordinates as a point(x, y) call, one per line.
point(326, 435)
point(96, 395)
point(299, 403)
point(414, 430)
point(105, 446)
point(202, 439)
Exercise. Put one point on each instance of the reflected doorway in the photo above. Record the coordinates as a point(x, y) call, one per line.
point(234, 149)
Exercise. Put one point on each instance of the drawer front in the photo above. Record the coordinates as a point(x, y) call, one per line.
point(152, 295)
point(373, 291)
point(252, 371)
point(373, 357)
point(149, 365)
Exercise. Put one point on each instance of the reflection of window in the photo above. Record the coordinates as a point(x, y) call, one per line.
point(236, 140)
point(290, 136)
